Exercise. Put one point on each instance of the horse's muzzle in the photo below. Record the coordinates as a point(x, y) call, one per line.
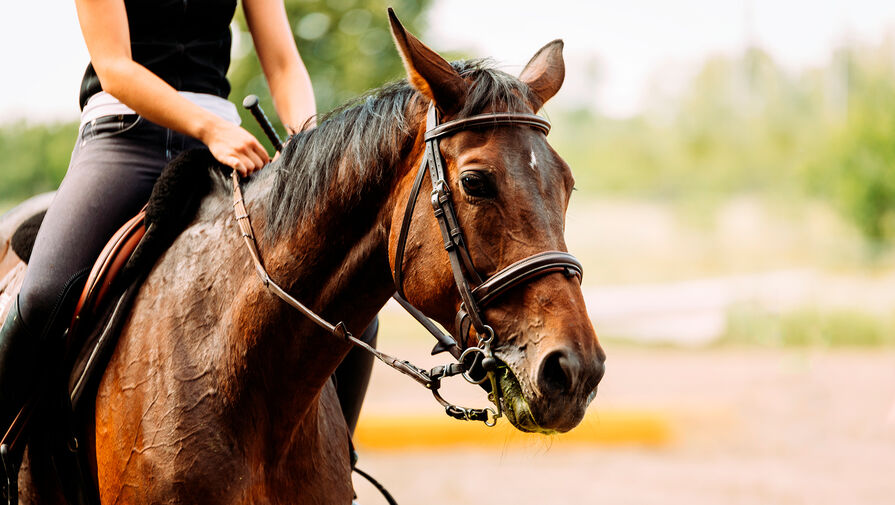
point(565, 382)
point(553, 397)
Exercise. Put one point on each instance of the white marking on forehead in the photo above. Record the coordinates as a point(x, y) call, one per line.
point(533, 161)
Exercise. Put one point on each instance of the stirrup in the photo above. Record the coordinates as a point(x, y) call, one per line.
point(10, 478)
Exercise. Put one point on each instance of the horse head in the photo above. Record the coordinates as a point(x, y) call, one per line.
point(510, 191)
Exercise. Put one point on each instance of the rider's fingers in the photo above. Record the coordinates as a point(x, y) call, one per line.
point(255, 162)
point(261, 152)
point(238, 165)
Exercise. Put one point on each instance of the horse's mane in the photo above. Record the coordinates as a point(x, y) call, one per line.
point(365, 138)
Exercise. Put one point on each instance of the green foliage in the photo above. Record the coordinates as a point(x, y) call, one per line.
point(34, 159)
point(807, 327)
point(742, 125)
point(345, 44)
point(857, 167)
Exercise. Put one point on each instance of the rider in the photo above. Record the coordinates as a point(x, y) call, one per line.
point(156, 86)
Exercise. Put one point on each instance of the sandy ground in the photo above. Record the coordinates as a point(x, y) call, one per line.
point(749, 427)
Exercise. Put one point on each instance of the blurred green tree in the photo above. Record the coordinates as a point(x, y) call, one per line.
point(743, 124)
point(34, 158)
point(857, 167)
point(345, 44)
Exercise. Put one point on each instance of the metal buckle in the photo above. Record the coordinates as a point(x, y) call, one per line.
point(463, 360)
point(486, 340)
point(439, 192)
point(492, 417)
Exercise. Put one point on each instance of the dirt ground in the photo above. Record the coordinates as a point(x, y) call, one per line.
point(749, 427)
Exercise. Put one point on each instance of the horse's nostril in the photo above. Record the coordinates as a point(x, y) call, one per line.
point(558, 372)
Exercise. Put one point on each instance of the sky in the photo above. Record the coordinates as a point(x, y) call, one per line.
point(614, 50)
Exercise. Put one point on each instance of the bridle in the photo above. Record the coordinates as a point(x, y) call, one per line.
point(473, 300)
point(476, 364)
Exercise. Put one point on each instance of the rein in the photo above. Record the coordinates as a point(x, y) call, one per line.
point(470, 360)
point(431, 379)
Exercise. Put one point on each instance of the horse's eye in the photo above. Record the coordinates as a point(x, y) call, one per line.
point(475, 184)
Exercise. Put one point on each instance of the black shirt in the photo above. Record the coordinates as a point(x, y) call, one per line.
point(185, 42)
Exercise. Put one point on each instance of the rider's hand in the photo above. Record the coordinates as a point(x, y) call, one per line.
point(235, 147)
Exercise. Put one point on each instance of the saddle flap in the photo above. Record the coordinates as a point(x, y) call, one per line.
point(109, 264)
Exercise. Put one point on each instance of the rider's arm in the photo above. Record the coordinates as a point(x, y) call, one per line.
point(106, 32)
point(289, 82)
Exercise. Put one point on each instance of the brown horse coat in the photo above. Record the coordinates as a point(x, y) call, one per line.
point(218, 393)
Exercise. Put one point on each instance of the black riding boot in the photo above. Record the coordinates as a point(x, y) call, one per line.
point(18, 356)
point(353, 375)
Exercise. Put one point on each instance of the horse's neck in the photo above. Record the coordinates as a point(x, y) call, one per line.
point(336, 264)
point(336, 260)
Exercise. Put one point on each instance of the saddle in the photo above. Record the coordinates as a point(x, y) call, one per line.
point(101, 309)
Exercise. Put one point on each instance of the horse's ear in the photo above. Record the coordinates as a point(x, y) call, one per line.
point(545, 72)
point(428, 72)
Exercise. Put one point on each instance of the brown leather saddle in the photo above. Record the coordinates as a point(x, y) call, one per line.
point(111, 261)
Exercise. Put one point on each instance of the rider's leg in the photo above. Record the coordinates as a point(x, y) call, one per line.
point(353, 375)
point(113, 168)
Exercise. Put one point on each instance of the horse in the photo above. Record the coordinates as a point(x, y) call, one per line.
point(218, 392)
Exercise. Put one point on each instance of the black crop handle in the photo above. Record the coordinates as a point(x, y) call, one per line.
point(254, 106)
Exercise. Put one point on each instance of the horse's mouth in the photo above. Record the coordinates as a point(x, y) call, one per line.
point(515, 406)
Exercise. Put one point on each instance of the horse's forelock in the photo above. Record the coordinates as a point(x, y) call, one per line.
point(492, 88)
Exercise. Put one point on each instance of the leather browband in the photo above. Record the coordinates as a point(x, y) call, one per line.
point(435, 131)
point(489, 120)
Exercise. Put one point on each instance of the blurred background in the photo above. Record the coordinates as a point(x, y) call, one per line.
point(735, 214)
